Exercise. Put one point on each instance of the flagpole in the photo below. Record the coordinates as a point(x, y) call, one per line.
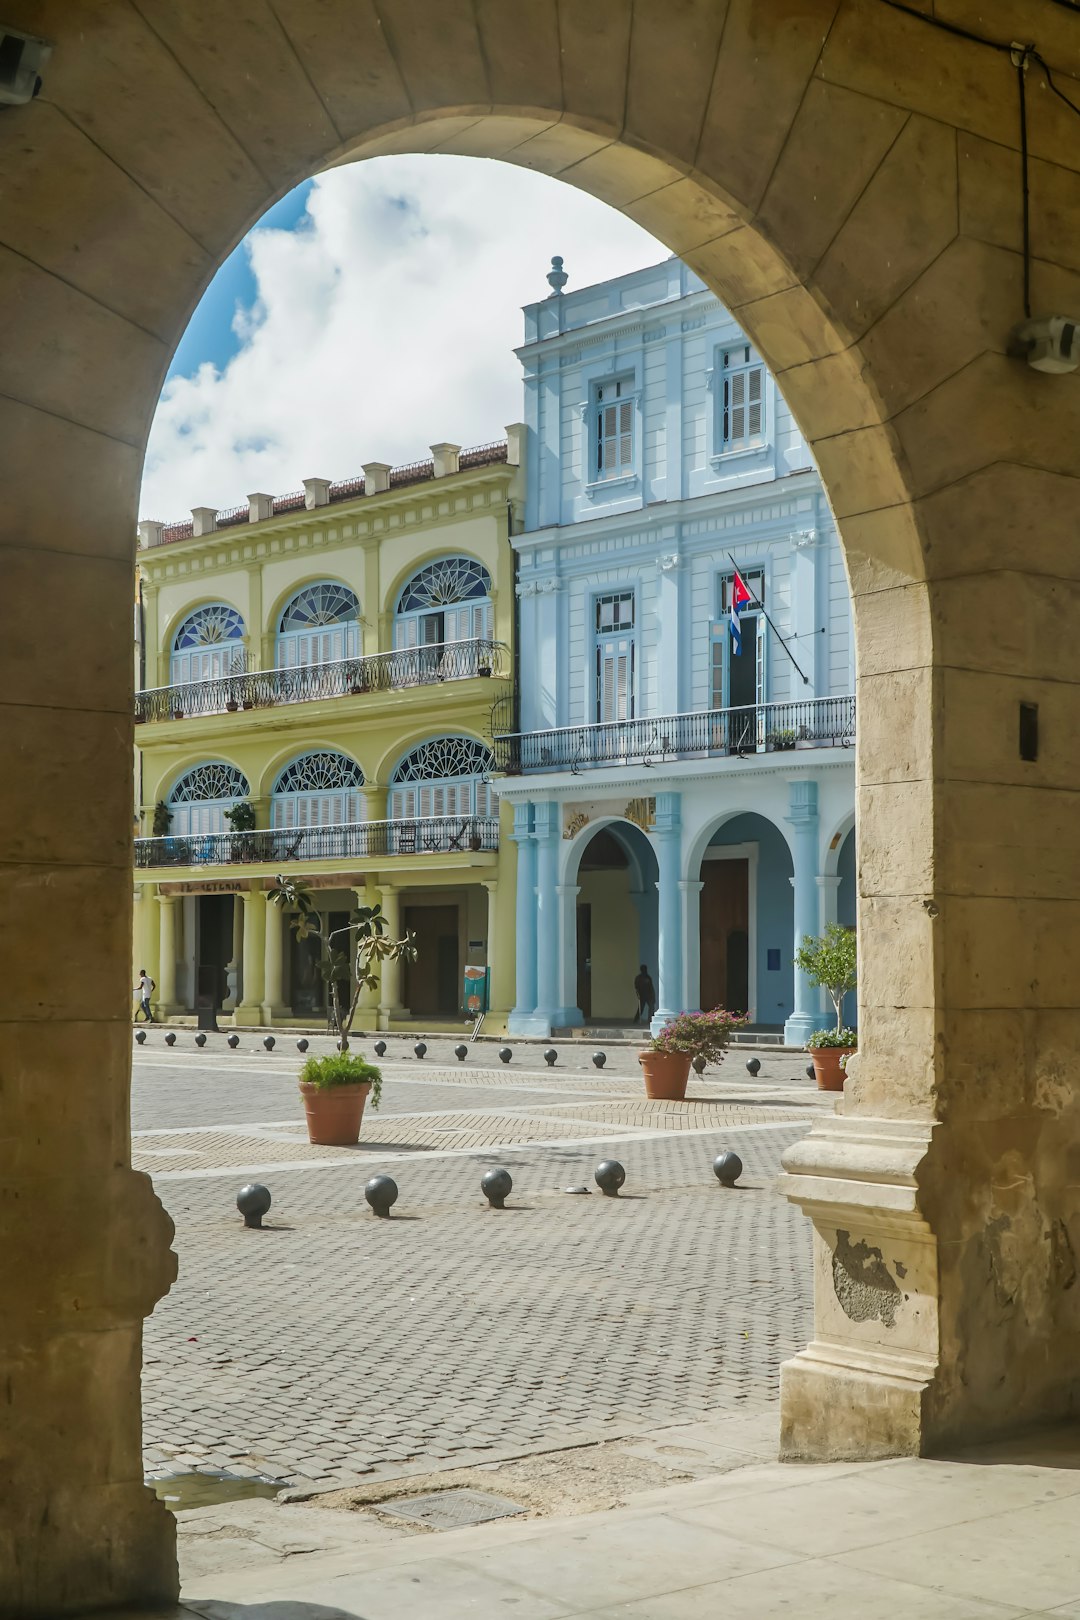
point(768, 621)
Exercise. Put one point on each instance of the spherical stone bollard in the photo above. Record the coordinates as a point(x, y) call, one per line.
point(301, 1045)
point(140, 1036)
point(727, 1168)
point(381, 1192)
point(461, 1052)
point(697, 1063)
point(233, 1042)
point(380, 1048)
point(609, 1177)
point(420, 1049)
point(599, 1059)
point(253, 1201)
point(753, 1066)
point(505, 1054)
point(811, 1072)
point(200, 1039)
point(549, 1057)
point(269, 1043)
point(496, 1186)
point(170, 1039)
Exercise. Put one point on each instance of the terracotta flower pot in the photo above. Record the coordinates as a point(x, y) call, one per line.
point(666, 1074)
point(334, 1112)
point(827, 1070)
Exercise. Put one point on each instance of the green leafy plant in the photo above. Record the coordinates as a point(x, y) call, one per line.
point(702, 1034)
point(830, 962)
point(241, 816)
point(339, 1069)
point(833, 1037)
point(783, 739)
point(162, 820)
point(373, 946)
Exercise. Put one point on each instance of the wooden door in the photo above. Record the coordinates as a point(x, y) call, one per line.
point(725, 917)
point(433, 983)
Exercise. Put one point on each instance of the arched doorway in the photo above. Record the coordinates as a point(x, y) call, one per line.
point(816, 163)
point(616, 928)
point(746, 921)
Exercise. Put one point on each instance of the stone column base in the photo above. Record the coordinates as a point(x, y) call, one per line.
point(859, 1390)
point(250, 1016)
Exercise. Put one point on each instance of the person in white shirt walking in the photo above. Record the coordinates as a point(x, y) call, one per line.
point(145, 989)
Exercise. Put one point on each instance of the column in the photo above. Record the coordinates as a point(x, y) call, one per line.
point(525, 920)
point(367, 1007)
point(802, 818)
point(146, 933)
point(668, 635)
point(166, 988)
point(569, 1013)
point(828, 887)
point(546, 823)
point(250, 1009)
point(390, 984)
point(273, 988)
point(667, 841)
point(232, 967)
point(691, 893)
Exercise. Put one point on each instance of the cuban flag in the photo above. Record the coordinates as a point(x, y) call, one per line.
point(739, 597)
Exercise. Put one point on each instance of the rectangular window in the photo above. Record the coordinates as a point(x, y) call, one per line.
point(742, 399)
point(616, 657)
point(613, 429)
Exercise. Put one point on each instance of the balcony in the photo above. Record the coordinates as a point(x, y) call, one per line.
point(348, 677)
point(766, 728)
point(360, 840)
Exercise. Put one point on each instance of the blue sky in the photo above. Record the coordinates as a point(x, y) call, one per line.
point(371, 313)
point(210, 335)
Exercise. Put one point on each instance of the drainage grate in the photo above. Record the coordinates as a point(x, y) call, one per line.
point(446, 1510)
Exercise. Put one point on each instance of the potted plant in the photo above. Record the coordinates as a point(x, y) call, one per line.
point(830, 962)
point(781, 740)
point(241, 818)
point(666, 1060)
point(335, 1090)
point(323, 1102)
point(162, 820)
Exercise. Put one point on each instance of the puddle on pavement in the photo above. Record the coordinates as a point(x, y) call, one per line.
point(196, 1490)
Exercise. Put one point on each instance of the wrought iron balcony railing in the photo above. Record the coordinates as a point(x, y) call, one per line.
point(347, 677)
point(358, 840)
point(765, 728)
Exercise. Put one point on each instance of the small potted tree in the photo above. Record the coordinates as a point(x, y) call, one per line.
point(241, 818)
point(335, 1088)
point(665, 1062)
point(830, 962)
point(162, 820)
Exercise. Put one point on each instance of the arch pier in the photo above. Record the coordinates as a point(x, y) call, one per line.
point(845, 176)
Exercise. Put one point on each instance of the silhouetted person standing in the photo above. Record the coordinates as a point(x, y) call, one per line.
point(645, 991)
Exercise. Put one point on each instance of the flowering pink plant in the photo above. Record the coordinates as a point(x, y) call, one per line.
point(702, 1034)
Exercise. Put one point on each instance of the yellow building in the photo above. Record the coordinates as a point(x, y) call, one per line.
point(320, 675)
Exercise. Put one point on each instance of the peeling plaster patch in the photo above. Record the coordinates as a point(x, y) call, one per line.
point(901, 1270)
point(862, 1282)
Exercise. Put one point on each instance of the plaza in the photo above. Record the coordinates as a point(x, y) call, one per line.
point(331, 1347)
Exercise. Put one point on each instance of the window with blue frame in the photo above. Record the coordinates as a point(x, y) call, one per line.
point(616, 657)
point(613, 433)
point(448, 600)
point(741, 399)
point(208, 645)
point(320, 625)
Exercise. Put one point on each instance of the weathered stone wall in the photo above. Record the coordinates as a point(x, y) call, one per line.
point(846, 178)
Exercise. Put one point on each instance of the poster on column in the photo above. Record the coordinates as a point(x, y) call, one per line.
point(476, 991)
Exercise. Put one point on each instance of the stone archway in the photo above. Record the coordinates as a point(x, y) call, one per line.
point(845, 176)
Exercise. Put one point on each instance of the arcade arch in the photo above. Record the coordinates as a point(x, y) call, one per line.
point(867, 236)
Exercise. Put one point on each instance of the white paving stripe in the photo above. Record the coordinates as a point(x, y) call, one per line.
point(392, 1154)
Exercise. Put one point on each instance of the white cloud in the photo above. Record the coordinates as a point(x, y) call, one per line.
point(384, 324)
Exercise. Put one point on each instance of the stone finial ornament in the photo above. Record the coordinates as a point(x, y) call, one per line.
point(557, 276)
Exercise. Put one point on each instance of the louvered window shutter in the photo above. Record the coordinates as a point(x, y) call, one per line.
point(754, 412)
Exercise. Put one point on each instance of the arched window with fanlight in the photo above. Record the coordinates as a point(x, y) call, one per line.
point(200, 798)
point(320, 625)
point(449, 600)
point(208, 645)
point(322, 789)
point(447, 776)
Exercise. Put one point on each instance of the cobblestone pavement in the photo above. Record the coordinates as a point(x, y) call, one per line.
point(332, 1346)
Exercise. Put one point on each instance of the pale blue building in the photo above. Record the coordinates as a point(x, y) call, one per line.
point(676, 804)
